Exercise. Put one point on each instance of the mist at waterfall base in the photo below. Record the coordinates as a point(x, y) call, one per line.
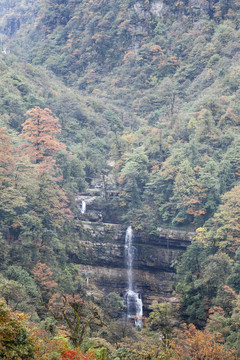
point(133, 299)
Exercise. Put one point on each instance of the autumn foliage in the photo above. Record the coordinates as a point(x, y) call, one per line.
point(39, 131)
point(15, 342)
point(43, 276)
point(195, 344)
point(47, 346)
point(74, 355)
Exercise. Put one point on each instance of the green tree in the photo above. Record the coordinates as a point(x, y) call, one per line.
point(209, 177)
point(227, 220)
point(15, 180)
point(189, 286)
point(15, 341)
point(15, 296)
point(115, 126)
point(50, 201)
point(200, 278)
point(188, 194)
point(160, 319)
point(234, 279)
point(133, 178)
point(76, 313)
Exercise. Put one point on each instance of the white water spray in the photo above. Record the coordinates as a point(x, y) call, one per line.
point(133, 299)
point(83, 207)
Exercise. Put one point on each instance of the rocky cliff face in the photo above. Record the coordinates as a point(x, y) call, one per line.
point(100, 254)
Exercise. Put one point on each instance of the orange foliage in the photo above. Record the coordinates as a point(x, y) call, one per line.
point(123, 24)
point(45, 345)
point(171, 62)
point(129, 55)
point(96, 91)
point(195, 344)
point(169, 170)
point(98, 36)
point(103, 23)
point(61, 304)
point(15, 342)
point(146, 4)
point(118, 164)
point(179, 3)
point(43, 277)
point(74, 355)
point(76, 53)
point(156, 49)
point(91, 73)
point(40, 131)
point(192, 202)
point(121, 179)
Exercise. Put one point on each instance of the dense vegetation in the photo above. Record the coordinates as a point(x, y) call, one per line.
point(144, 91)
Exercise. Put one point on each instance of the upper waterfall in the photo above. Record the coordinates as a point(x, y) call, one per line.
point(83, 207)
point(129, 255)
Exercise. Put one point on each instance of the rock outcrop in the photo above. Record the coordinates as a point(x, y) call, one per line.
point(100, 253)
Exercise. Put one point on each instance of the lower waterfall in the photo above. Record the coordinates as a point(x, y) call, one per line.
point(133, 299)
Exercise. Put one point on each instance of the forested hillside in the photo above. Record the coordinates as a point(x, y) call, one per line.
point(142, 99)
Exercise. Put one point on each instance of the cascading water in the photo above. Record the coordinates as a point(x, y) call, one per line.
point(133, 299)
point(83, 207)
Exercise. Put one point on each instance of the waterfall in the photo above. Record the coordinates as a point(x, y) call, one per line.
point(133, 299)
point(129, 255)
point(83, 207)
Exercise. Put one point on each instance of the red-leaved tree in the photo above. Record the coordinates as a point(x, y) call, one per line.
point(40, 131)
point(73, 355)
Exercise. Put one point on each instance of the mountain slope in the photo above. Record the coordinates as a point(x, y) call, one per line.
point(169, 72)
